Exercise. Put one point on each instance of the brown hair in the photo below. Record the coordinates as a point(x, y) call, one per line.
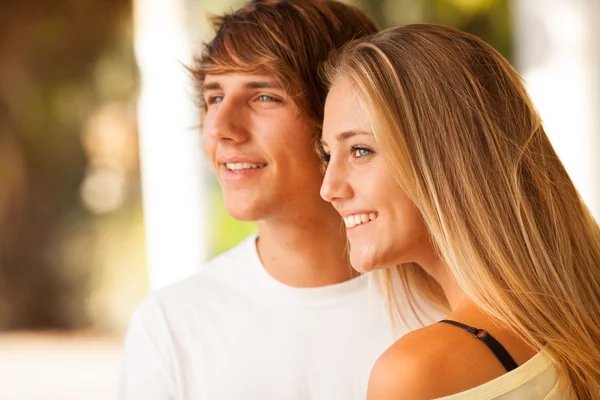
point(454, 122)
point(286, 38)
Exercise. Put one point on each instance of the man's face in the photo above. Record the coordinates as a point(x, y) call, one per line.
point(260, 146)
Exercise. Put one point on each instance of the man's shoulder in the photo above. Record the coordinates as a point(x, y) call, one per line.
point(240, 252)
point(223, 271)
point(244, 253)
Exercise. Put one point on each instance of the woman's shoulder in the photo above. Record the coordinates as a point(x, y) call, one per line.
point(435, 361)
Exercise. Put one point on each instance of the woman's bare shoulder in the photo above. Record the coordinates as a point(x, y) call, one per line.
point(432, 362)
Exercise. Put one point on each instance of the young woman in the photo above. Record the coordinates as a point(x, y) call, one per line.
point(440, 166)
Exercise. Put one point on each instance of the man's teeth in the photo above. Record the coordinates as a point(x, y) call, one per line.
point(357, 219)
point(240, 166)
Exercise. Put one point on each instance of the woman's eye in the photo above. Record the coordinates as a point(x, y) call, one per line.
point(358, 152)
point(325, 157)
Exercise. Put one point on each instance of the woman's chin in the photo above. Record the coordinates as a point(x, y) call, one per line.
point(362, 264)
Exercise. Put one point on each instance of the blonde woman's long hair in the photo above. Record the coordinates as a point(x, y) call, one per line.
point(457, 128)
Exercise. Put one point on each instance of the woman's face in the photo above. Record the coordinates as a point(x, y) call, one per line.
point(384, 227)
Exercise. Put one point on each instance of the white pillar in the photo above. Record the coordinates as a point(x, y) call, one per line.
point(172, 178)
point(558, 55)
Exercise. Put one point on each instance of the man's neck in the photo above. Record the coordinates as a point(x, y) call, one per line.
point(305, 252)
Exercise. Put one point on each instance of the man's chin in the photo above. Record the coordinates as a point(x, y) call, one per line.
point(244, 213)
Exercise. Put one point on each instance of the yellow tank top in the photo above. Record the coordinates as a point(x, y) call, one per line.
point(537, 379)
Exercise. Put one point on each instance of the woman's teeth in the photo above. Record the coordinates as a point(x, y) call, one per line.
point(357, 219)
point(240, 166)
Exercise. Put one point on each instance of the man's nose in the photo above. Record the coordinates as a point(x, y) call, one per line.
point(226, 122)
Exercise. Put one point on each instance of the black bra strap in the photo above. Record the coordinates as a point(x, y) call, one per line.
point(496, 348)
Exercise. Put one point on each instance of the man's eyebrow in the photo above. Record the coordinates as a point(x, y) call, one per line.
point(264, 85)
point(211, 86)
point(248, 85)
point(340, 137)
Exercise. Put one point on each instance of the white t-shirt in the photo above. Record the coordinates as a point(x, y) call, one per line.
point(232, 331)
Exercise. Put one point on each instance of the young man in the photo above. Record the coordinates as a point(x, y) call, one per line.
point(282, 315)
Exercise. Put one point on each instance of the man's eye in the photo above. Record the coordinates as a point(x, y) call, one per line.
point(214, 100)
point(266, 98)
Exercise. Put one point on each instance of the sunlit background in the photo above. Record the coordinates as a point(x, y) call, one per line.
point(105, 193)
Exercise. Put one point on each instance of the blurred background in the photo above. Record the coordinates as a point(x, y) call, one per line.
point(104, 190)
